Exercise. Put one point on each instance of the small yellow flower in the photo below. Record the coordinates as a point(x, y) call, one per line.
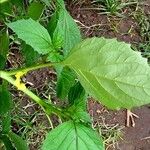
point(18, 84)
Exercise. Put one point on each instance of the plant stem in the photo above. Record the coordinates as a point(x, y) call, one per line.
point(47, 107)
point(25, 70)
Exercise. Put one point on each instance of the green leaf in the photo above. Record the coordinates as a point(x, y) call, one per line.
point(34, 34)
point(72, 136)
point(2, 62)
point(5, 8)
point(35, 10)
point(76, 92)
point(60, 3)
point(52, 23)
point(57, 40)
point(65, 81)
point(6, 123)
point(78, 102)
point(17, 141)
point(65, 34)
point(111, 72)
point(3, 1)
point(5, 100)
point(29, 54)
point(66, 31)
point(7, 142)
point(4, 47)
point(54, 57)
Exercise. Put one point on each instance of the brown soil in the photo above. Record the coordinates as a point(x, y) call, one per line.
point(133, 138)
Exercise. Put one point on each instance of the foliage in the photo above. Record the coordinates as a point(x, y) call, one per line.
point(72, 136)
point(106, 69)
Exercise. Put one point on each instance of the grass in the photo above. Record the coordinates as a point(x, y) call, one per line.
point(113, 7)
point(111, 133)
point(144, 30)
point(28, 119)
point(30, 123)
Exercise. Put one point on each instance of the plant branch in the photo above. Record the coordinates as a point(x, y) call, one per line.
point(35, 67)
point(47, 107)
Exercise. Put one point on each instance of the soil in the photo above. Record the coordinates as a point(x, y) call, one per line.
point(133, 138)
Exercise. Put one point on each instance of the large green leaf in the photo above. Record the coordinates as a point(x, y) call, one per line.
point(111, 72)
point(72, 136)
point(33, 34)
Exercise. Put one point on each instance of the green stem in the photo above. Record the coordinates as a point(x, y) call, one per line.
point(47, 107)
point(25, 70)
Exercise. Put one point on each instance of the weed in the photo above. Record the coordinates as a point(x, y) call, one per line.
point(106, 69)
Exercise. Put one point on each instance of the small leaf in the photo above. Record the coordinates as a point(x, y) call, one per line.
point(5, 100)
point(72, 136)
point(111, 72)
point(17, 141)
point(4, 48)
point(2, 62)
point(5, 8)
point(6, 123)
point(29, 54)
point(78, 103)
point(35, 10)
point(76, 93)
point(65, 81)
point(34, 34)
point(54, 57)
point(52, 23)
point(7, 142)
point(66, 30)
